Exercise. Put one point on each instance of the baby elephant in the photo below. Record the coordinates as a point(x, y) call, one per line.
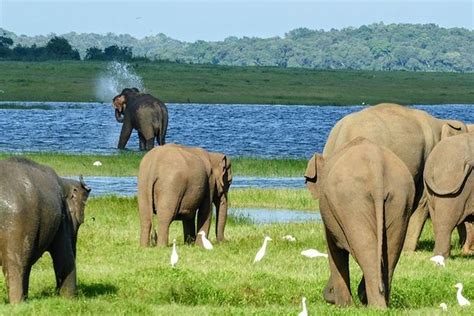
point(39, 212)
point(175, 181)
point(449, 180)
point(365, 196)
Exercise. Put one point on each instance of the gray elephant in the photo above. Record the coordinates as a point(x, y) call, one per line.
point(143, 112)
point(450, 187)
point(39, 212)
point(175, 181)
point(411, 134)
point(365, 197)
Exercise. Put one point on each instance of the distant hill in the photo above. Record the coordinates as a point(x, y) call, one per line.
point(413, 47)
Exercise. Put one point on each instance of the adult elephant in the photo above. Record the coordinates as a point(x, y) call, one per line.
point(143, 112)
point(39, 212)
point(411, 134)
point(176, 181)
point(450, 187)
point(365, 196)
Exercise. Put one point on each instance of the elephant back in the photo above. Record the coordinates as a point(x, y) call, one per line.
point(449, 164)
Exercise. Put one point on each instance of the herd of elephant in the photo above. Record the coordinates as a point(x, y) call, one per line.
point(383, 170)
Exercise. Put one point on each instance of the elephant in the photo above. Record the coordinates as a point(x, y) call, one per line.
point(143, 112)
point(174, 181)
point(409, 133)
point(366, 195)
point(39, 212)
point(450, 189)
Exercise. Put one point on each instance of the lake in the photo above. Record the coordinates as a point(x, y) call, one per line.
point(267, 131)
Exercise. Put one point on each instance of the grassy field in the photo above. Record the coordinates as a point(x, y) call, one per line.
point(117, 277)
point(76, 80)
point(127, 164)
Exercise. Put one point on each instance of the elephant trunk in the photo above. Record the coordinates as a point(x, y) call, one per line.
point(221, 217)
point(118, 116)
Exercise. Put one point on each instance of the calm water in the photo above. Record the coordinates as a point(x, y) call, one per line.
point(237, 130)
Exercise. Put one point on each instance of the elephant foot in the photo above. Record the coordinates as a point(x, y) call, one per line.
point(328, 294)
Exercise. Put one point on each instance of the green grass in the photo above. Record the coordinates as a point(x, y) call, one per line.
point(116, 276)
point(75, 81)
point(127, 164)
point(290, 199)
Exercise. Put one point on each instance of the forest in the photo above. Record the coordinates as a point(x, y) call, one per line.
point(379, 46)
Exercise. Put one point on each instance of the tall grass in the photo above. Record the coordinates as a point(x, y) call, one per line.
point(76, 80)
point(127, 164)
point(116, 276)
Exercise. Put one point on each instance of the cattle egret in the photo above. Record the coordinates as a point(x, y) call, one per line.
point(304, 312)
point(443, 306)
point(174, 255)
point(461, 299)
point(97, 163)
point(289, 238)
point(439, 260)
point(205, 242)
point(262, 250)
point(313, 253)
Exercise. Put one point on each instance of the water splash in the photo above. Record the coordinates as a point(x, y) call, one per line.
point(117, 77)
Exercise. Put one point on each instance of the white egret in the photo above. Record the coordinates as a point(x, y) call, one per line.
point(97, 163)
point(313, 253)
point(205, 242)
point(304, 312)
point(174, 255)
point(262, 250)
point(443, 306)
point(289, 238)
point(439, 260)
point(461, 299)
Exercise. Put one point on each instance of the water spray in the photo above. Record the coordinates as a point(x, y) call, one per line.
point(116, 77)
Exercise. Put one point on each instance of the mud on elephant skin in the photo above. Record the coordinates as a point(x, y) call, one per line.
point(450, 188)
point(142, 112)
point(411, 134)
point(366, 194)
point(39, 212)
point(176, 182)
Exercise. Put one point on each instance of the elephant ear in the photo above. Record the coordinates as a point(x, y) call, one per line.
point(448, 166)
point(316, 162)
point(451, 128)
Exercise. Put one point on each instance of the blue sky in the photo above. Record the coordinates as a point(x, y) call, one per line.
point(216, 20)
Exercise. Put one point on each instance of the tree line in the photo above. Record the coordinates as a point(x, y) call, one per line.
point(412, 47)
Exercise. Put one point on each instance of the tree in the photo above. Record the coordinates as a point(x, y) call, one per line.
point(59, 48)
point(94, 53)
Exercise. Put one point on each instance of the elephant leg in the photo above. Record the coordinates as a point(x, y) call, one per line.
point(164, 221)
point(17, 278)
point(204, 217)
point(442, 232)
point(339, 281)
point(150, 143)
point(417, 221)
point(141, 141)
point(145, 209)
point(64, 265)
point(462, 232)
point(125, 133)
point(362, 292)
point(468, 245)
point(189, 230)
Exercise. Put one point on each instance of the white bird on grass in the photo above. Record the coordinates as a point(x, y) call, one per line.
point(262, 250)
point(304, 312)
point(443, 306)
point(174, 255)
point(313, 253)
point(461, 299)
point(97, 163)
point(439, 260)
point(205, 242)
point(289, 238)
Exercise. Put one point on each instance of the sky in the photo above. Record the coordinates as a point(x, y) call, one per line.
point(215, 20)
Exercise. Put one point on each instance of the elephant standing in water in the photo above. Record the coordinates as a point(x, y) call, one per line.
point(175, 181)
point(409, 133)
point(365, 197)
point(450, 187)
point(143, 112)
point(39, 212)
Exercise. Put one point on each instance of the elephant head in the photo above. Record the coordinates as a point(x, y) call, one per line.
point(75, 194)
point(449, 164)
point(313, 171)
point(119, 102)
point(222, 171)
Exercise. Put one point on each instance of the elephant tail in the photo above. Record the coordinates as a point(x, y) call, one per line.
point(379, 201)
